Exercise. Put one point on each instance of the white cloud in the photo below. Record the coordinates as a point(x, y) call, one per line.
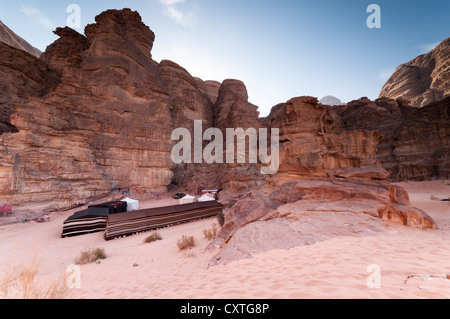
point(37, 16)
point(171, 2)
point(425, 48)
point(386, 74)
point(184, 17)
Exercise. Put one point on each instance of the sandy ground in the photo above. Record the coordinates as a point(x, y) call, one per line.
point(411, 263)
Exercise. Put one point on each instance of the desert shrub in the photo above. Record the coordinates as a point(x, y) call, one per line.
point(211, 233)
point(221, 219)
point(152, 238)
point(91, 256)
point(186, 242)
point(20, 282)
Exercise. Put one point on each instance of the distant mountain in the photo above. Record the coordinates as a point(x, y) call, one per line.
point(9, 37)
point(330, 100)
point(424, 80)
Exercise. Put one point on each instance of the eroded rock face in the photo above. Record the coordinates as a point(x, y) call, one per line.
point(314, 142)
point(106, 125)
point(424, 80)
point(189, 101)
point(21, 76)
point(232, 110)
point(415, 142)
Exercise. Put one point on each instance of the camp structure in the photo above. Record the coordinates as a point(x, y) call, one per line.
point(132, 204)
point(88, 221)
point(91, 220)
point(120, 225)
point(188, 199)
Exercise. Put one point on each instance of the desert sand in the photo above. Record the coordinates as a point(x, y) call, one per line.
point(412, 263)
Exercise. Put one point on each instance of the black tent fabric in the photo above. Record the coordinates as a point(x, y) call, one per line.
point(114, 207)
point(148, 219)
point(87, 221)
point(92, 220)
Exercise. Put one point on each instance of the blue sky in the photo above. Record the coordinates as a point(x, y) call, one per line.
point(279, 49)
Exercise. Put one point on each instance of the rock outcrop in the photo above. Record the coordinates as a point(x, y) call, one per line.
point(416, 141)
point(9, 37)
point(424, 80)
point(314, 142)
point(311, 210)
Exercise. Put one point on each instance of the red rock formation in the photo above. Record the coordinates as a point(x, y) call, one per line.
point(314, 143)
point(189, 101)
point(106, 125)
point(423, 80)
point(21, 76)
point(232, 110)
point(415, 143)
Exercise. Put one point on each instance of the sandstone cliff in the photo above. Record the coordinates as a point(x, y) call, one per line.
point(424, 80)
point(415, 142)
point(106, 124)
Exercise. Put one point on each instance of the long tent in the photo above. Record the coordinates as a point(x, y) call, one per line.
point(148, 219)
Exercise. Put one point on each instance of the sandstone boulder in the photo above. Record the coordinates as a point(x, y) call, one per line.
point(312, 210)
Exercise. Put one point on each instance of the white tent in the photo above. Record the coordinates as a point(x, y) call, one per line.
point(206, 198)
point(132, 204)
point(187, 200)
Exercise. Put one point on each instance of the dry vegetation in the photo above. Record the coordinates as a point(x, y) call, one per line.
point(152, 238)
point(211, 233)
point(186, 242)
point(20, 282)
point(91, 256)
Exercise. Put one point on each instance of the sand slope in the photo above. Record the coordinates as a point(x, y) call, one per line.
point(412, 262)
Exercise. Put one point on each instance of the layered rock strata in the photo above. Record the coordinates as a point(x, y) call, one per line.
point(423, 80)
point(415, 142)
point(106, 125)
